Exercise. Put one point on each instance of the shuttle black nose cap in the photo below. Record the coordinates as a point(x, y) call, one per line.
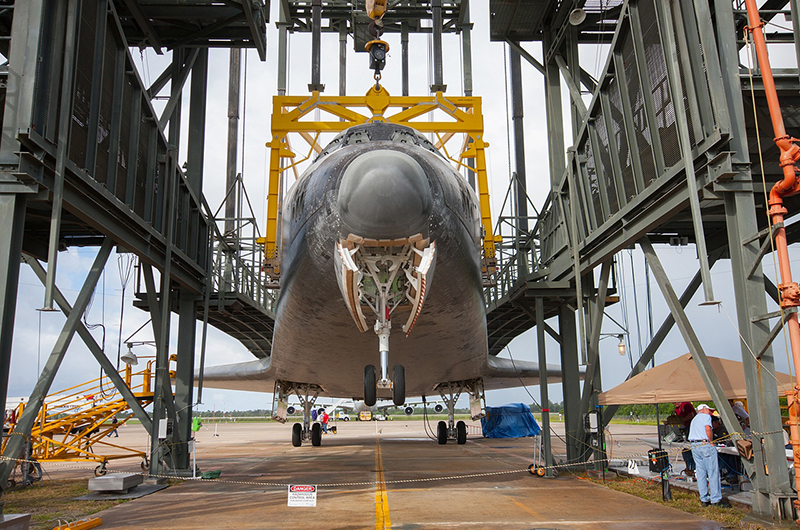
point(385, 195)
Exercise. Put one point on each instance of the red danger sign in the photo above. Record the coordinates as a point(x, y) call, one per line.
point(302, 495)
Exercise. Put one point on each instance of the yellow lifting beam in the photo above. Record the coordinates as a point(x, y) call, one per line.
point(464, 116)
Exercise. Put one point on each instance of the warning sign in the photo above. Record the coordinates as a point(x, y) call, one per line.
point(302, 495)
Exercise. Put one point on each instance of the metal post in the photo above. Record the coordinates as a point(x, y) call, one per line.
point(404, 56)
point(283, 36)
point(316, 46)
point(12, 219)
point(543, 394)
point(466, 46)
point(343, 57)
point(28, 417)
point(570, 381)
point(184, 375)
point(520, 193)
point(555, 123)
point(234, 83)
point(197, 122)
point(67, 89)
point(438, 77)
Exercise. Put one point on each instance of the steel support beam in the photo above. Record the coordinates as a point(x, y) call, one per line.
point(163, 402)
point(570, 382)
point(465, 26)
point(665, 16)
point(184, 377)
point(438, 76)
point(574, 90)
point(144, 24)
point(284, 23)
point(180, 72)
point(197, 123)
point(62, 147)
point(343, 57)
point(661, 334)
point(520, 193)
point(12, 219)
point(555, 122)
point(234, 84)
point(404, 56)
point(592, 384)
point(316, 47)
point(690, 338)
point(28, 417)
point(772, 492)
point(83, 332)
point(543, 390)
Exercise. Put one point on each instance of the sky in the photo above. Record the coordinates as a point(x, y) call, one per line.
point(36, 332)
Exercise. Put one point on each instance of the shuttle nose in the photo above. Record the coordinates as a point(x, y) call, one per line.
point(385, 195)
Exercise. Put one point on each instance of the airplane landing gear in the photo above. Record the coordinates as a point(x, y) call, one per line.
point(307, 394)
point(450, 392)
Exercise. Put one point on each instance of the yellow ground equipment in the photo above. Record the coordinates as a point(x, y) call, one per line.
point(76, 421)
point(449, 117)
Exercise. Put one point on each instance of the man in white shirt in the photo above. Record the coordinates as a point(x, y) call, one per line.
point(701, 436)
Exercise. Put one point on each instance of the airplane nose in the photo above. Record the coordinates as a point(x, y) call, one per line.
point(385, 194)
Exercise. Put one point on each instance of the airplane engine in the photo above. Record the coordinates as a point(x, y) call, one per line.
point(290, 410)
point(438, 408)
point(409, 410)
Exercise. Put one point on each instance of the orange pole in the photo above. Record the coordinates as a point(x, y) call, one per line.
point(790, 293)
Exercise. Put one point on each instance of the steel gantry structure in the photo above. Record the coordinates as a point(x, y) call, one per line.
point(663, 151)
point(87, 161)
point(666, 152)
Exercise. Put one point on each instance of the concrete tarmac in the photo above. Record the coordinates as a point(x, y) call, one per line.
point(379, 475)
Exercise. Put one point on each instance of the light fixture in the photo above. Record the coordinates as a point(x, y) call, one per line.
point(621, 345)
point(577, 16)
point(129, 357)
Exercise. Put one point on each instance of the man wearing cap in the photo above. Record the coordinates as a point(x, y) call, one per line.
point(701, 437)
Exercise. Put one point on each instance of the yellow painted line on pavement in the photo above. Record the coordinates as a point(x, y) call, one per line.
point(525, 508)
point(382, 519)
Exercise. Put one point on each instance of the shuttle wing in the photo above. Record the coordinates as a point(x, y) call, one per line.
point(257, 376)
point(253, 376)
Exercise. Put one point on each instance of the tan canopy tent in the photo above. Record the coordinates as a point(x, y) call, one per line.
point(679, 380)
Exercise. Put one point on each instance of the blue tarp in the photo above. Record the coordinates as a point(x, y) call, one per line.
point(509, 421)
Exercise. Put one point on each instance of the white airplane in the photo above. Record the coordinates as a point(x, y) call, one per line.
point(363, 231)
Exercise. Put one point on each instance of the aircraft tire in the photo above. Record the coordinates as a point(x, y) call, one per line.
point(461, 433)
point(297, 431)
point(370, 385)
point(316, 435)
point(441, 433)
point(399, 385)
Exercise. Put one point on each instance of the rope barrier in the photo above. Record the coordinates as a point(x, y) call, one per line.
point(677, 450)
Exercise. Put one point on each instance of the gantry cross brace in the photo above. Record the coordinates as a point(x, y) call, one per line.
point(464, 116)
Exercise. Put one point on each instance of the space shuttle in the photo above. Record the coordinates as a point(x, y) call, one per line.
point(381, 293)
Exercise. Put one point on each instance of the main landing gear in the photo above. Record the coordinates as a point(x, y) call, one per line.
point(450, 392)
point(307, 394)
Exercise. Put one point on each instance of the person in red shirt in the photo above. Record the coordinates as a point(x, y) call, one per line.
point(687, 413)
point(324, 420)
